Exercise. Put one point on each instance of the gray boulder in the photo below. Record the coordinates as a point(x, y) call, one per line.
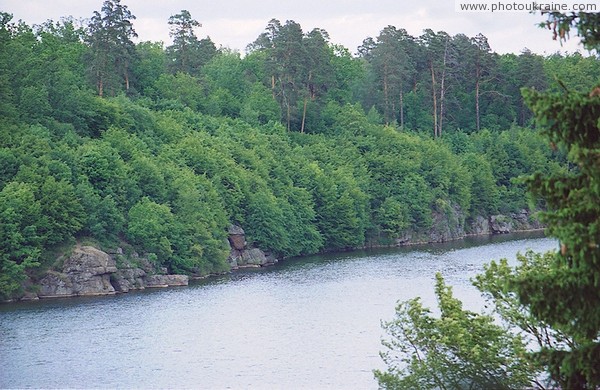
point(237, 237)
point(480, 226)
point(56, 284)
point(128, 279)
point(254, 256)
point(154, 281)
point(86, 272)
point(500, 224)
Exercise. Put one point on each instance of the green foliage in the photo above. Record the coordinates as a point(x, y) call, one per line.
point(21, 238)
point(178, 90)
point(550, 300)
point(484, 193)
point(149, 225)
point(459, 349)
point(187, 139)
point(497, 284)
point(62, 210)
point(567, 297)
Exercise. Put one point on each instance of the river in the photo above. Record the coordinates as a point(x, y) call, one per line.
point(306, 323)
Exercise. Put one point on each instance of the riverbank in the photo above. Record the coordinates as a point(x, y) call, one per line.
point(89, 271)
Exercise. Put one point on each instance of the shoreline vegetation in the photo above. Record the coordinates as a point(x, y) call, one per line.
point(159, 150)
point(157, 281)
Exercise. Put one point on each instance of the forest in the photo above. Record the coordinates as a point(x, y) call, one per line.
point(306, 145)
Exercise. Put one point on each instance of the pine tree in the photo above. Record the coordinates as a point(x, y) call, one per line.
point(112, 51)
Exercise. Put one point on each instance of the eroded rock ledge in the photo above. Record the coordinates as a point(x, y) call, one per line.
point(453, 225)
point(88, 271)
point(242, 256)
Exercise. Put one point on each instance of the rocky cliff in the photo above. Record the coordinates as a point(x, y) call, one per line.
point(505, 223)
point(88, 271)
point(451, 225)
point(241, 256)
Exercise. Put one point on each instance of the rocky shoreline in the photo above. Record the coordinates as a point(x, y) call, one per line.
point(452, 226)
point(89, 271)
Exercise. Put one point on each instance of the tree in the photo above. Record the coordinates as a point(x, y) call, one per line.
point(20, 236)
point(530, 74)
point(150, 64)
point(150, 226)
point(112, 51)
point(553, 300)
point(473, 81)
point(567, 296)
point(460, 349)
point(394, 63)
point(317, 68)
point(285, 53)
point(438, 49)
point(183, 54)
point(63, 211)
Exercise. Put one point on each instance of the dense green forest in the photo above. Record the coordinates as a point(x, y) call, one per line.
point(540, 328)
point(305, 145)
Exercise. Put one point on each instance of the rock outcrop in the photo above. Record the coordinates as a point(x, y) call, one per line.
point(89, 272)
point(127, 279)
point(236, 237)
point(86, 272)
point(513, 222)
point(448, 225)
point(154, 281)
point(243, 257)
point(480, 226)
point(500, 224)
point(451, 225)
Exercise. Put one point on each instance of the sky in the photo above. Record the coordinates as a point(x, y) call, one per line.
point(236, 23)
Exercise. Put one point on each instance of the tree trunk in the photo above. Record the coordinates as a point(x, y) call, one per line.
point(386, 100)
point(477, 120)
point(100, 84)
point(308, 93)
point(401, 109)
point(443, 89)
point(304, 114)
point(433, 91)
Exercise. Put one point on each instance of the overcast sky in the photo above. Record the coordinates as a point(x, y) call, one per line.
point(236, 23)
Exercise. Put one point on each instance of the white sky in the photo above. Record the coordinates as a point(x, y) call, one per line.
point(236, 23)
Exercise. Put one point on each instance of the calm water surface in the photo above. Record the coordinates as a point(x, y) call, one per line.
point(309, 323)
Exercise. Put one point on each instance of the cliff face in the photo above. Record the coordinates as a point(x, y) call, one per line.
point(89, 271)
point(241, 256)
point(504, 224)
point(86, 272)
point(452, 225)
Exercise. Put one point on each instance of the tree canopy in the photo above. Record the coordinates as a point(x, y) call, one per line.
point(160, 149)
point(549, 303)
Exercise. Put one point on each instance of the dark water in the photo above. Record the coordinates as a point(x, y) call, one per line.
point(310, 323)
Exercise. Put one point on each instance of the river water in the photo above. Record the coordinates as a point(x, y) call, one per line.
point(307, 323)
